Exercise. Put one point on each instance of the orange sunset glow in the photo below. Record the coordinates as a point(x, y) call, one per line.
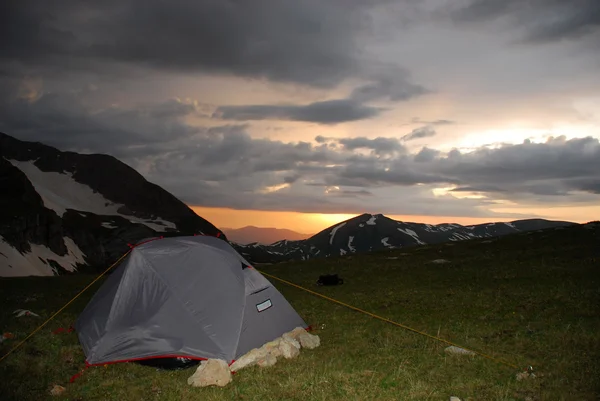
point(308, 223)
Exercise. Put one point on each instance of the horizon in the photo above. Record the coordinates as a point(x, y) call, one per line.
point(301, 114)
point(321, 222)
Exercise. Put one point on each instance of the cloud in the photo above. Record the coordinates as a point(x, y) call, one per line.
point(66, 121)
point(224, 166)
point(418, 133)
point(433, 122)
point(426, 155)
point(393, 85)
point(309, 42)
point(545, 20)
point(392, 88)
point(483, 188)
point(556, 167)
point(379, 145)
point(325, 112)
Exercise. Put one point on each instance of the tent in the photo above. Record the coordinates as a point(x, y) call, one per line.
point(185, 298)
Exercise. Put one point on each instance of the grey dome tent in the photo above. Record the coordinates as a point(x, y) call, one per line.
point(190, 298)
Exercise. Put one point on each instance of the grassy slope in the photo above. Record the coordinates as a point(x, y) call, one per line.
point(530, 299)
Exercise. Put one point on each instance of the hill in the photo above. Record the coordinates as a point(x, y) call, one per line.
point(527, 299)
point(61, 212)
point(367, 232)
point(261, 235)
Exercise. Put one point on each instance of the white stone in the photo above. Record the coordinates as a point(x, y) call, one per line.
point(458, 351)
point(308, 340)
point(289, 349)
point(213, 372)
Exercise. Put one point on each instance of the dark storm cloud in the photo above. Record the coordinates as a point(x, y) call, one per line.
point(569, 21)
point(544, 20)
point(158, 132)
point(347, 193)
point(391, 88)
point(590, 184)
point(374, 175)
point(393, 85)
point(418, 133)
point(64, 120)
point(326, 112)
point(426, 155)
point(483, 188)
point(225, 166)
point(310, 42)
point(380, 145)
point(551, 168)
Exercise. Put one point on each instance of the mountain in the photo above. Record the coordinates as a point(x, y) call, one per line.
point(369, 232)
point(261, 235)
point(63, 211)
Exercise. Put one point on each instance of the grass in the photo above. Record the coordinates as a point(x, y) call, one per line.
point(529, 299)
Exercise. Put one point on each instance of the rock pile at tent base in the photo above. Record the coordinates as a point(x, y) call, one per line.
point(216, 372)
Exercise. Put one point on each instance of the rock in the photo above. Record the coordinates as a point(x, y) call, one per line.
point(288, 338)
point(268, 360)
point(440, 261)
point(57, 390)
point(213, 372)
point(289, 349)
point(453, 398)
point(288, 346)
point(308, 340)
point(458, 351)
point(272, 347)
point(296, 332)
point(305, 339)
point(249, 359)
point(525, 375)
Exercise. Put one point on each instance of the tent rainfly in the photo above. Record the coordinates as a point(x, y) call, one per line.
point(185, 298)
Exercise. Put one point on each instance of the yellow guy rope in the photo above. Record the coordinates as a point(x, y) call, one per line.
point(64, 307)
point(390, 321)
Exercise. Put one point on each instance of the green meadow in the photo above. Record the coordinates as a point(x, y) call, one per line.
point(526, 299)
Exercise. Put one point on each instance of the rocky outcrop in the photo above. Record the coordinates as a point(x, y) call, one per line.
point(35, 214)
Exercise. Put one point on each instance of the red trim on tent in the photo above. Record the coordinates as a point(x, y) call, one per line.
point(145, 242)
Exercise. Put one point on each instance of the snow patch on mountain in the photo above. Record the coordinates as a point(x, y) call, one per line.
point(428, 227)
point(371, 221)
point(461, 237)
point(385, 242)
point(108, 225)
point(511, 225)
point(350, 247)
point(332, 233)
point(36, 262)
point(59, 192)
point(342, 252)
point(413, 234)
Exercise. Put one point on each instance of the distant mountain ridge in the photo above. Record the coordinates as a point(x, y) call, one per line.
point(369, 232)
point(262, 235)
point(63, 211)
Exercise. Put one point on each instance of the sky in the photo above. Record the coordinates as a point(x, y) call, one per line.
point(298, 114)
